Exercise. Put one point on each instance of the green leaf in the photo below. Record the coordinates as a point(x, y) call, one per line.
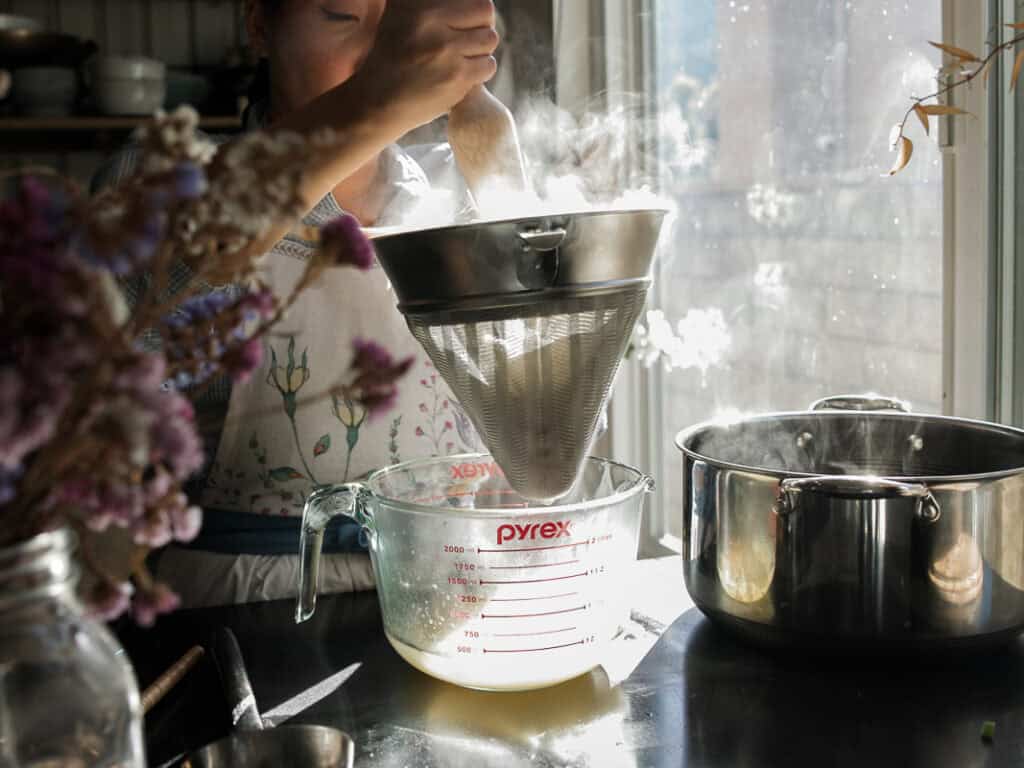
point(291, 361)
point(352, 437)
point(323, 445)
point(988, 730)
point(281, 474)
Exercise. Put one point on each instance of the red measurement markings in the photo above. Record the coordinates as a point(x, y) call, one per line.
point(533, 634)
point(531, 615)
point(432, 500)
point(540, 565)
point(536, 549)
point(533, 650)
point(527, 599)
point(534, 581)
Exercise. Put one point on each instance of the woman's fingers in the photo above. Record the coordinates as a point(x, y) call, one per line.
point(469, 14)
point(480, 69)
point(477, 42)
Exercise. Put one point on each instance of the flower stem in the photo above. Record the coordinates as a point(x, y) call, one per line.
point(348, 463)
point(957, 83)
point(298, 448)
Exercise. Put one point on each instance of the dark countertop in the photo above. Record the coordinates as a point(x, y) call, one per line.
point(698, 699)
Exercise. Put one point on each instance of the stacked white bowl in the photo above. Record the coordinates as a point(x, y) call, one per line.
point(128, 85)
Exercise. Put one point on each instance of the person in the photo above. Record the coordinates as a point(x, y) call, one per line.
point(372, 70)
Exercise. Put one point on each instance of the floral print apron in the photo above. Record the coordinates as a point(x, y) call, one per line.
point(283, 433)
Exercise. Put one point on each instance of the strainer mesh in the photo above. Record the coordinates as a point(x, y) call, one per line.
point(535, 380)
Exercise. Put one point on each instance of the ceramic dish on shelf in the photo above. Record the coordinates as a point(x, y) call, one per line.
point(10, 21)
point(128, 85)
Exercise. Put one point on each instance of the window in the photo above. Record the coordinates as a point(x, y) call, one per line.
point(796, 270)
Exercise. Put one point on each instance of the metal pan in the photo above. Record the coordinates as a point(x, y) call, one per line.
point(855, 526)
point(255, 745)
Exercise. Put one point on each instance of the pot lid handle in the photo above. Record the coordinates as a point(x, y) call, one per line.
point(865, 402)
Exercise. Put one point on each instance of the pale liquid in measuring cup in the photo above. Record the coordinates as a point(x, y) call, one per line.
point(511, 673)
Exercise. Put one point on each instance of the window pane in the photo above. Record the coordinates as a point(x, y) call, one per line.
point(797, 270)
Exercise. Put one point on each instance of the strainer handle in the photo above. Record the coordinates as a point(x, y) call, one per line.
point(323, 505)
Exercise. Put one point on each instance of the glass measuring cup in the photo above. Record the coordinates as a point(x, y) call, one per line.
point(477, 585)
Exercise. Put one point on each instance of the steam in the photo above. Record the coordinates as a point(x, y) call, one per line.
point(700, 340)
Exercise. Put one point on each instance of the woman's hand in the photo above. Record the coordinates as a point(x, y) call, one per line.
point(427, 56)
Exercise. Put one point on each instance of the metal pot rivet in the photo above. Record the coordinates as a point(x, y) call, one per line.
point(916, 442)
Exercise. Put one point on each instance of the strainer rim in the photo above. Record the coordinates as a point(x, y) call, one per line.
point(375, 234)
point(642, 482)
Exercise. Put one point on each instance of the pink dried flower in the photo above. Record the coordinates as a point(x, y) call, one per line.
point(186, 520)
point(153, 530)
point(343, 243)
point(28, 417)
point(150, 603)
point(174, 441)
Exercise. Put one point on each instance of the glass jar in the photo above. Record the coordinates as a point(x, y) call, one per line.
point(68, 695)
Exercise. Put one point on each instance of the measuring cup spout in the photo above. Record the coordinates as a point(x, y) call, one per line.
point(322, 505)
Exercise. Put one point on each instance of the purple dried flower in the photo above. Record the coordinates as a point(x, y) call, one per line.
point(147, 374)
point(150, 603)
point(257, 305)
point(370, 355)
point(375, 373)
point(189, 181)
point(8, 482)
point(200, 308)
point(343, 243)
point(34, 250)
point(244, 360)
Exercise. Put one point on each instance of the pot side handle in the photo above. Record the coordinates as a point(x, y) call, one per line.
point(868, 402)
point(858, 487)
point(323, 505)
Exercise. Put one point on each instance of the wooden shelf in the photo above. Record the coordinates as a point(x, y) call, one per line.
point(83, 133)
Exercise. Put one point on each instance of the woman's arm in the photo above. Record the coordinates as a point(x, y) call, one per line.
point(427, 56)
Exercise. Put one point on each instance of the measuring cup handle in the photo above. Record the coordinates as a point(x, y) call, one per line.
point(323, 505)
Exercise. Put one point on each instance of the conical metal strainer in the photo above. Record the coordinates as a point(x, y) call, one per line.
point(527, 321)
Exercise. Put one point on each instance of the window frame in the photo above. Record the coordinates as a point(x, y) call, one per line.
point(980, 360)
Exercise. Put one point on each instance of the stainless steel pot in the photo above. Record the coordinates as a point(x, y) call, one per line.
point(856, 525)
